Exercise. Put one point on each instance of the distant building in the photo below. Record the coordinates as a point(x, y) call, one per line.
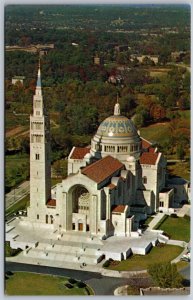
point(140, 58)
point(177, 56)
point(98, 60)
point(31, 48)
point(16, 79)
point(75, 44)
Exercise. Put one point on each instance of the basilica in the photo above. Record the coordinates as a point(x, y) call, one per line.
point(112, 184)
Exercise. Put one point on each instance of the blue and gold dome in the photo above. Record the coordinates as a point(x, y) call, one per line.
point(116, 136)
point(117, 126)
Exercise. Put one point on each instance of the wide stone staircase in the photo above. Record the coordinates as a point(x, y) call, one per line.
point(68, 249)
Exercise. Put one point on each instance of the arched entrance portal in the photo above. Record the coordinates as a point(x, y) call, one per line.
point(80, 208)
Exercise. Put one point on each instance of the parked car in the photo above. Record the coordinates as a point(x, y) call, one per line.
point(185, 258)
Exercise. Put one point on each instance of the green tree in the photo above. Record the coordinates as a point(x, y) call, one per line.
point(180, 151)
point(165, 275)
point(139, 120)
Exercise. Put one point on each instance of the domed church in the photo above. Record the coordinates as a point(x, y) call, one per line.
point(112, 184)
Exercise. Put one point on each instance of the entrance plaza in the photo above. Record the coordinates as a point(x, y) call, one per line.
point(73, 249)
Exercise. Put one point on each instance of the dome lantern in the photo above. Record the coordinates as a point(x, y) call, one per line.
point(117, 110)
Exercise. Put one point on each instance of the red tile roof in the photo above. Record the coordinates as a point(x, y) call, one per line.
point(51, 202)
point(79, 153)
point(148, 158)
point(102, 169)
point(145, 144)
point(152, 150)
point(118, 208)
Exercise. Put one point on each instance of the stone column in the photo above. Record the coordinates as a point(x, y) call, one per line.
point(93, 214)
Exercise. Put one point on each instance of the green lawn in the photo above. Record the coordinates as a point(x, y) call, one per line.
point(155, 133)
point(181, 169)
point(148, 220)
point(141, 262)
point(177, 228)
point(16, 170)
point(15, 160)
point(185, 114)
point(23, 283)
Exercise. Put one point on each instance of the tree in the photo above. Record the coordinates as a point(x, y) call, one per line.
point(139, 120)
point(180, 152)
point(165, 275)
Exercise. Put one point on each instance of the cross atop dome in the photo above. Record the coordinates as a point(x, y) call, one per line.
point(117, 111)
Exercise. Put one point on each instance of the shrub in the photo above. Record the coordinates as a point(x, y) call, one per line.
point(72, 280)
point(81, 284)
point(106, 264)
point(69, 286)
point(9, 273)
point(132, 290)
point(173, 216)
point(10, 251)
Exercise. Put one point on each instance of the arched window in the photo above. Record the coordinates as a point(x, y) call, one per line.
point(144, 179)
point(52, 219)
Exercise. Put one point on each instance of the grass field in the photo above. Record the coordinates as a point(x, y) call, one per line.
point(14, 161)
point(181, 169)
point(155, 133)
point(177, 228)
point(23, 283)
point(141, 262)
point(11, 120)
point(185, 114)
point(16, 169)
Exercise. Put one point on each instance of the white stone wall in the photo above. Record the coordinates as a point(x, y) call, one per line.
point(75, 164)
point(119, 224)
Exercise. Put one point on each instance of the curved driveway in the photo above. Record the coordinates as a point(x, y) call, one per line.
point(100, 284)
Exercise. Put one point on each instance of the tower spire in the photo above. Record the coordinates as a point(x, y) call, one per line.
point(117, 111)
point(38, 85)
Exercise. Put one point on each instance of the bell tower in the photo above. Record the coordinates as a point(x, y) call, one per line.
point(40, 166)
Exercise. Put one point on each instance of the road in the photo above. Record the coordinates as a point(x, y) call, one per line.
point(181, 66)
point(101, 285)
point(186, 272)
point(17, 194)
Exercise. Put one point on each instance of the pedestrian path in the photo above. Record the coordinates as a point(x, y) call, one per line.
point(155, 220)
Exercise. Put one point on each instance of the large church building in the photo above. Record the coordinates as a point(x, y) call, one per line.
point(112, 184)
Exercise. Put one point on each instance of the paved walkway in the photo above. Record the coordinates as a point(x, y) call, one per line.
point(184, 210)
point(74, 266)
point(155, 220)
